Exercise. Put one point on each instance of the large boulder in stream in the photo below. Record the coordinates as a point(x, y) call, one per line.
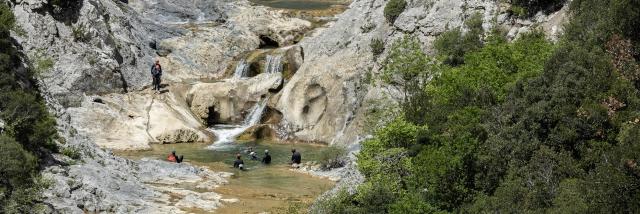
point(229, 101)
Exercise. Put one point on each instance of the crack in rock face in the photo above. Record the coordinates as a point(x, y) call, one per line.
point(315, 104)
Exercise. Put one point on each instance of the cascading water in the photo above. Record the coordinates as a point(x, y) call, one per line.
point(227, 134)
point(241, 69)
point(273, 64)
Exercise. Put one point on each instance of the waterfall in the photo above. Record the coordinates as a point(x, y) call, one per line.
point(227, 134)
point(273, 64)
point(241, 69)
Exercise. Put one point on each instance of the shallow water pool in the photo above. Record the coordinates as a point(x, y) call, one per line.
point(260, 188)
point(297, 4)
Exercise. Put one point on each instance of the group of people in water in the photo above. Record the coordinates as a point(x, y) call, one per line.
point(296, 158)
point(156, 75)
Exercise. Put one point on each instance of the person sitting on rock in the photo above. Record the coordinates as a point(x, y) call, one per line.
point(238, 163)
point(296, 158)
point(267, 158)
point(173, 158)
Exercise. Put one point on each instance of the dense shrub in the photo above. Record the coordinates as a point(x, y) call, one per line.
point(393, 9)
point(333, 157)
point(71, 152)
point(452, 45)
point(522, 127)
point(377, 46)
point(80, 34)
point(531, 7)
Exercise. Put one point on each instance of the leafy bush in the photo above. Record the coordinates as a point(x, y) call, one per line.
point(43, 64)
point(454, 44)
point(377, 46)
point(393, 9)
point(519, 11)
point(333, 157)
point(7, 20)
point(531, 7)
point(80, 33)
point(71, 152)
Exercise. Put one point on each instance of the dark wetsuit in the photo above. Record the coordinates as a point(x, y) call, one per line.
point(175, 158)
point(237, 162)
point(296, 158)
point(266, 159)
point(156, 73)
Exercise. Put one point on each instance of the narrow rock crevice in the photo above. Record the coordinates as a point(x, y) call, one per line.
point(149, 117)
point(213, 117)
point(267, 42)
point(125, 85)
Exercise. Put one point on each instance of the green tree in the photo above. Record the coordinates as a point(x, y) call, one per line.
point(452, 45)
point(408, 68)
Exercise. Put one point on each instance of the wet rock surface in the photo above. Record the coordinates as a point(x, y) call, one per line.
point(230, 100)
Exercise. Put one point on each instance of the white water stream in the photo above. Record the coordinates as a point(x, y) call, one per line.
point(273, 64)
point(241, 69)
point(227, 134)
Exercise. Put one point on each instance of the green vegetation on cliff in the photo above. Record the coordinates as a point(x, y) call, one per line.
point(393, 9)
point(26, 137)
point(521, 127)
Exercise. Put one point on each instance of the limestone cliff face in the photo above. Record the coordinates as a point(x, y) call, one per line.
point(103, 50)
point(327, 99)
point(93, 62)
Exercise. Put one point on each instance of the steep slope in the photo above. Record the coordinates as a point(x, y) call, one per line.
point(329, 97)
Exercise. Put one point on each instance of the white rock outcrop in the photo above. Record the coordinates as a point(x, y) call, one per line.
point(134, 120)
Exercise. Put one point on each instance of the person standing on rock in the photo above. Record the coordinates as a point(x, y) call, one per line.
point(156, 74)
point(296, 158)
point(267, 158)
point(238, 163)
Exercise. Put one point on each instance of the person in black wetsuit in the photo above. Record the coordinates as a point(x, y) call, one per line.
point(238, 163)
point(156, 74)
point(267, 158)
point(296, 158)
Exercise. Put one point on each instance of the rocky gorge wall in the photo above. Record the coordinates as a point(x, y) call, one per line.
point(93, 68)
point(329, 97)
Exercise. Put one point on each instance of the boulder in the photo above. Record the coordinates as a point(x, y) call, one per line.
point(259, 132)
point(227, 102)
point(133, 121)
